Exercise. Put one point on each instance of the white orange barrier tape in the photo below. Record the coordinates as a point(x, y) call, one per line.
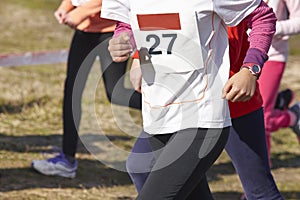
point(33, 58)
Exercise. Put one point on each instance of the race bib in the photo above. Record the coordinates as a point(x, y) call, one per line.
point(172, 40)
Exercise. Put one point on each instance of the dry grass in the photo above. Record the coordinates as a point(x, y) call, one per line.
point(30, 26)
point(30, 121)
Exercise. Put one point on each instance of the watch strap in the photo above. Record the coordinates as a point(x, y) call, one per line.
point(255, 69)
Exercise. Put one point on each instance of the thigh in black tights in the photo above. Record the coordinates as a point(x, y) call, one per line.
point(182, 159)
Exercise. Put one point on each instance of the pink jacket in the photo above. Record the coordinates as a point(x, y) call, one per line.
point(288, 15)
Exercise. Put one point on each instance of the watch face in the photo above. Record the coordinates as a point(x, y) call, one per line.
point(256, 69)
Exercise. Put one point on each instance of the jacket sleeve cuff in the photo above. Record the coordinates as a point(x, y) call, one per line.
point(255, 56)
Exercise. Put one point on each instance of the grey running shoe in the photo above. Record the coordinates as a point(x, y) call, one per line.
point(284, 99)
point(56, 166)
point(296, 109)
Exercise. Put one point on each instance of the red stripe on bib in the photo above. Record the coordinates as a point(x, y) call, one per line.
point(167, 21)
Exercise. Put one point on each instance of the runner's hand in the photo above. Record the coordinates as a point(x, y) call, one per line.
point(60, 15)
point(120, 47)
point(240, 87)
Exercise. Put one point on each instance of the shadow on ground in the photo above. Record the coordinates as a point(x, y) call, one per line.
point(288, 195)
point(285, 160)
point(90, 174)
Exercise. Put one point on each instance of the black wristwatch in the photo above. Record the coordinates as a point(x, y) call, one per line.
point(253, 68)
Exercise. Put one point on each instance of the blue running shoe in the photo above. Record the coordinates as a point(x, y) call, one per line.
point(56, 166)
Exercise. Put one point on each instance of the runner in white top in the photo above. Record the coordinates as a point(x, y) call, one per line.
point(169, 103)
point(184, 57)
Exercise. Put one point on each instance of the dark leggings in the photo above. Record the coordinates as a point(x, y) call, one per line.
point(83, 51)
point(181, 161)
point(246, 147)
